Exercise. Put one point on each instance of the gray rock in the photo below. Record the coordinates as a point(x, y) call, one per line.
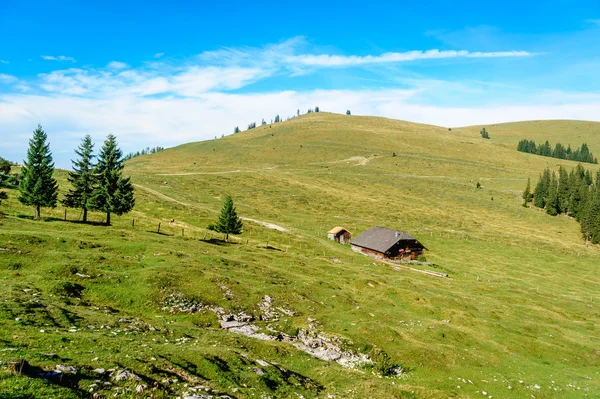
point(99, 371)
point(262, 363)
point(65, 369)
point(124, 375)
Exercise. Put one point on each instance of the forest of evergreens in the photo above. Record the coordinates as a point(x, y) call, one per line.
point(581, 154)
point(576, 194)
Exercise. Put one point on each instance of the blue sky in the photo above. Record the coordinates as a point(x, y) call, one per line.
point(166, 73)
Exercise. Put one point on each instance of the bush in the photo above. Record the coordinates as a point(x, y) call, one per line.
point(422, 258)
point(383, 364)
point(68, 289)
point(5, 166)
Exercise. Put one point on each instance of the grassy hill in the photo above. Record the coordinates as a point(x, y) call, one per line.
point(517, 318)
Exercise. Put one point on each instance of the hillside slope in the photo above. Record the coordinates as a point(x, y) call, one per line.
point(517, 317)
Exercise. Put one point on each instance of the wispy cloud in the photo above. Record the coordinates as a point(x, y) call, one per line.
point(7, 78)
point(58, 58)
point(158, 55)
point(593, 21)
point(4, 62)
point(116, 65)
point(327, 60)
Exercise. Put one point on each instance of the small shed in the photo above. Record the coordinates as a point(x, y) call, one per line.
point(380, 242)
point(339, 234)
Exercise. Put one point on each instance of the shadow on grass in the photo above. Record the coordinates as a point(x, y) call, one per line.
point(160, 233)
point(66, 380)
point(55, 219)
point(271, 248)
point(216, 241)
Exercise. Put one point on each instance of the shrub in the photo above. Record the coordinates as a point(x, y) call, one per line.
point(383, 364)
point(68, 289)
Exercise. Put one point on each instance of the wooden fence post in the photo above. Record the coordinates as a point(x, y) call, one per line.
point(65, 214)
point(158, 231)
point(182, 232)
point(132, 222)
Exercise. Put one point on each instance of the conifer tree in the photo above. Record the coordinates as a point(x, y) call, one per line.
point(114, 193)
point(552, 204)
point(229, 222)
point(37, 187)
point(590, 223)
point(540, 193)
point(564, 190)
point(82, 178)
point(527, 193)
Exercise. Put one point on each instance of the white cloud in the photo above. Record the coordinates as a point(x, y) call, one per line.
point(327, 60)
point(116, 65)
point(593, 21)
point(57, 58)
point(158, 55)
point(4, 62)
point(7, 78)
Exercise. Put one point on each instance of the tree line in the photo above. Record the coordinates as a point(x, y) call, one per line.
point(98, 186)
point(581, 154)
point(145, 151)
point(575, 193)
point(277, 119)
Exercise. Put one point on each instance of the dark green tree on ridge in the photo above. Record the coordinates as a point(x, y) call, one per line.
point(82, 178)
point(229, 222)
point(38, 187)
point(113, 193)
point(527, 195)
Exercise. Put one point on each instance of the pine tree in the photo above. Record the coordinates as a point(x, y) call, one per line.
point(114, 193)
point(229, 222)
point(82, 178)
point(590, 223)
point(552, 205)
point(564, 190)
point(37, 187)
point(540, 194)
point(348, 112)
point(527, 196)
point(317, 108)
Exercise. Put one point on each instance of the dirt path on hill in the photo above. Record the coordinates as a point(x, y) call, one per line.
point(268, 225)
point(203, 173)
point(162, 196)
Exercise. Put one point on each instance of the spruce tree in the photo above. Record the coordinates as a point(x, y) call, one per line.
point(552, 204)
point(540, 193)
point(113, 193)
point(590, 223)
point(37, 187)
point(229, 222)
point(564, 190)
point(527, 193)
point(82, 178)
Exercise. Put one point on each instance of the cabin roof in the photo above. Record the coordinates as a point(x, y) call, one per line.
point(381, 239)
point(338, 229)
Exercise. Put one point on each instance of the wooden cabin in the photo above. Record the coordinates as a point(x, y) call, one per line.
point(380, 242)
point(339, 234)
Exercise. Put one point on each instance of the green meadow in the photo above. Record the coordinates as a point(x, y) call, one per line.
point(518, 316)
